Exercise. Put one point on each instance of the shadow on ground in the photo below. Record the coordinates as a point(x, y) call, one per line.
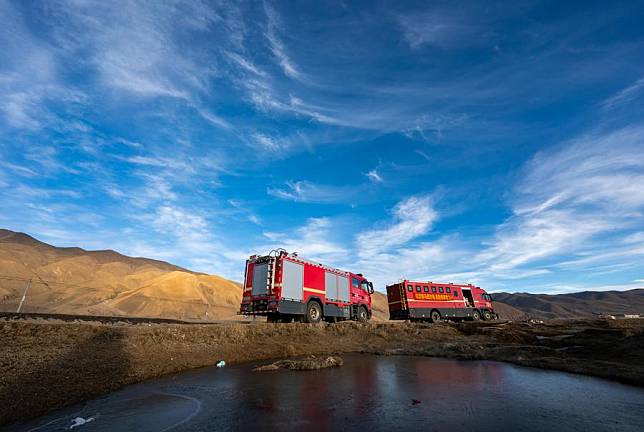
point(53, 375)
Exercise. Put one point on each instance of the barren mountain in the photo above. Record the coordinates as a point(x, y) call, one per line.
point(76, 281)
point(574, 305)
point(508, 312)
point(380, 307)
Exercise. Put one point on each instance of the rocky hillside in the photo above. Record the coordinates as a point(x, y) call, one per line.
point(76, 281)
point(574, 305)
point(508, 312)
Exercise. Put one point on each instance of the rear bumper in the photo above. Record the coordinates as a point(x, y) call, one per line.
point(258, 307)
point(271, 306)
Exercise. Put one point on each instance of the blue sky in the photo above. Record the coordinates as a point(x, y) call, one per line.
point(496, 144)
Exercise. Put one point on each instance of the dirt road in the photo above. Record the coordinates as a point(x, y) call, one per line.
point(44, 366)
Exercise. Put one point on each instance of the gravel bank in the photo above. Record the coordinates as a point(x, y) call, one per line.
point(44, 366)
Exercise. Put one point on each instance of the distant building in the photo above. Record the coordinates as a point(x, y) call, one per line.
point(621, 315)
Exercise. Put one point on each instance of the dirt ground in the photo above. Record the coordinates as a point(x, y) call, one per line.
point(48, 365)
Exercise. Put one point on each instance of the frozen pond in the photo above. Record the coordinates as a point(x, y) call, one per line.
point(369, 393)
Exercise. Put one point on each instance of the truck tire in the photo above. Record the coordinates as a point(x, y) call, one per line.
point(476, 315)
point(435, 316)
point(363, 315)
point(313, 312)
point(487, 316)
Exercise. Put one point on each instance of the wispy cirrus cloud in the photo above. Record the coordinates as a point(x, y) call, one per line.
point(277, 46)
point(374, 176)
point(29, 76)
point(440, 27)
point(568, 198)
point(132, 44)
point(305, 191)
point(135, 48)
point(577, 207)
point(625, 95)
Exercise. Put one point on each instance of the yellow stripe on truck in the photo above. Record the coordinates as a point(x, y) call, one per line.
point(314, 290)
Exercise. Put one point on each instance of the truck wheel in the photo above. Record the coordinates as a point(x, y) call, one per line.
point(487, 315)
point(363, 316)
point(435, 316)
point(313, 312)
point(476, 315)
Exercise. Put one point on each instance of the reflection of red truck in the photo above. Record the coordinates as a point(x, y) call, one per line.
point(434, 301)
point(283, 286)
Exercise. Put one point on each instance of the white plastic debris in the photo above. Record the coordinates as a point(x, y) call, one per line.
point(80, 421)
point(221, 364)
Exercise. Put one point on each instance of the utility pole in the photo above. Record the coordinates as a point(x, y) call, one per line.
point(24, 296)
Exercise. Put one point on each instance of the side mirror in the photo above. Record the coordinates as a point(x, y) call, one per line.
point(370, 288)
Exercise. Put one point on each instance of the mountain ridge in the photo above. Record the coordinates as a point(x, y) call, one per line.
point(581, 304)
point(105, 282)
point(73, 280)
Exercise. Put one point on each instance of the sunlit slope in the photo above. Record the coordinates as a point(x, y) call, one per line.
point(75, 281)
point(380, 307)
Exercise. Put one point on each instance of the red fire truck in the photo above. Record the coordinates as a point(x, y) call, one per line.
point(433, 301)
point(283, 287)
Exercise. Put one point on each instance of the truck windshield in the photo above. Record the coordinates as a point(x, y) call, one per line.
point(364, 285)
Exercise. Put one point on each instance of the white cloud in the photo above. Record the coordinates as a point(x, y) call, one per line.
point(155, 188)
point(577, 207)
point(374, 176)
point(428, 29)
point(246, 64)
point(568, 199)
point(269, 143)
point(412, 218)
point(133, 45)
point(244, 209)
point(442, 26)
point(276, 44)
point(30, 77)
point(419, 260)
point(176, 221)
point(524, 240)
point(23, 110)
point(624, 96)
point(136, 48)
point(304, 191)
point(314, 240)
point(147, 160)
point(209, 116)
point(423, 155)
point(19, 169)
point(273, 236)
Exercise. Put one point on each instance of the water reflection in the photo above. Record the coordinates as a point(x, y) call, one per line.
point(369, 393)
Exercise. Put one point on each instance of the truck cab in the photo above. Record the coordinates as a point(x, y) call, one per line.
point(360, 291)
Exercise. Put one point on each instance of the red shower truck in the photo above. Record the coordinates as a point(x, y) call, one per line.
point(433, 301)
point(283, 287)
